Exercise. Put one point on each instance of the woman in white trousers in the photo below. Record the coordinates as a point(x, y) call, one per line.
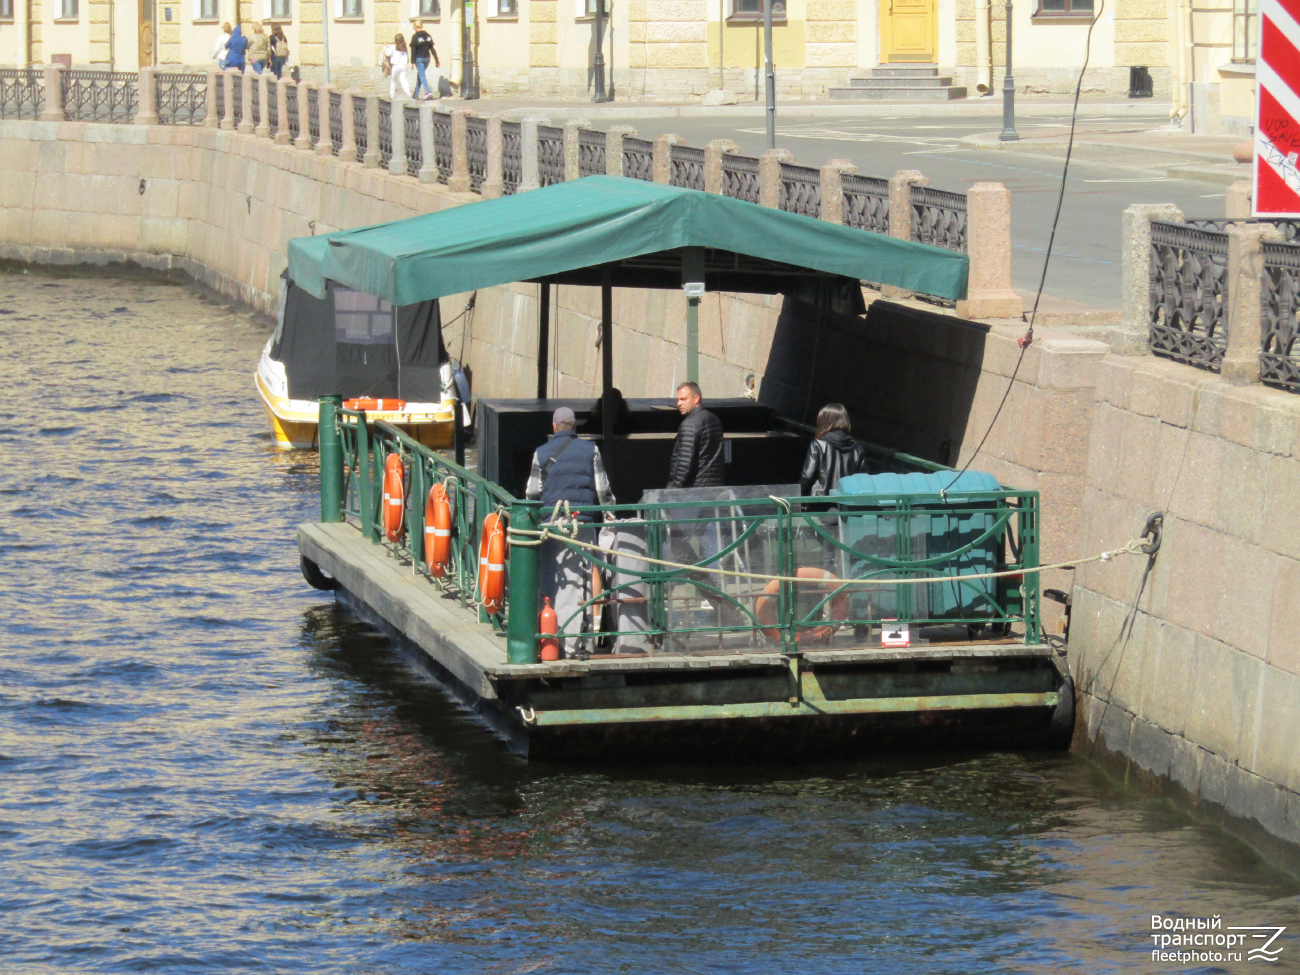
point(399, 61)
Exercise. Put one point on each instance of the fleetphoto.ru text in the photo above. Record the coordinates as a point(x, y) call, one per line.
point(1201, 940)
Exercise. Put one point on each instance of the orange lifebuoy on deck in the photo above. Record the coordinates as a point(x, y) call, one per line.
point(394, 511)
point(372, 405)
point(437, 530)
point(765, 608)
point(492, 564)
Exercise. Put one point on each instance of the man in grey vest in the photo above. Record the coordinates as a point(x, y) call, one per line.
point(567, 468)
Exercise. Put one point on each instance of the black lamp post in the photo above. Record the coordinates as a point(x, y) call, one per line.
point(1008, 92)
point(598, 65)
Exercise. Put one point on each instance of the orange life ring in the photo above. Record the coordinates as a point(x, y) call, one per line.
point(437, 531)
point(765, 608)
point(492, 564)
point(394, 510)
point(372, 405)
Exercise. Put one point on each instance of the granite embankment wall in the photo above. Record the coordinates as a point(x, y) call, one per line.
point(1189, 680)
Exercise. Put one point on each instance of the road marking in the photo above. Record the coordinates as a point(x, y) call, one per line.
point(1132, 179)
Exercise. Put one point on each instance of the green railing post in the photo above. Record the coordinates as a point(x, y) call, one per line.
point(1032, 581)
point(365, 482)
point(415, 512)
point(331, 460)
point(523, 622)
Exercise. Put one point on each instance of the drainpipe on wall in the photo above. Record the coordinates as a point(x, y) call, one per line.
point(1178, 108)
point(983, 57)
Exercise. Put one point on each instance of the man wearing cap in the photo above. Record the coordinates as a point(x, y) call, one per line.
point(567, 468)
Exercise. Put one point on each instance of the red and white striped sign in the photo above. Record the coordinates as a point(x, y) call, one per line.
point(1277, 123)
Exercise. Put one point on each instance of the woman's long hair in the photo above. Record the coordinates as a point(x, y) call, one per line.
point(832, 416)
point(399, 42)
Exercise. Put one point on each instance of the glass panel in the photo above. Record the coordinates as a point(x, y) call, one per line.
point(430, 8)
point(750, 7)
point(280, 9)
point(507, 8)
point(362, 319)
point(1081, 6)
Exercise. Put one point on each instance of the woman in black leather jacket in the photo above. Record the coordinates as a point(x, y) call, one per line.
point(833, 454)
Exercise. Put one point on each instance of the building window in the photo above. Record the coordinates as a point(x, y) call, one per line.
point(6, 9)
point(753, 10)
point(1245, 30)
point(1064, 8)
point(428, 8)
point(350, 9)
point(68, 10)
point(209, 9)
point(280, 10)
point(510, 8)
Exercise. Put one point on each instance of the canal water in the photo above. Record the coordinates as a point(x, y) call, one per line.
point(207, 767)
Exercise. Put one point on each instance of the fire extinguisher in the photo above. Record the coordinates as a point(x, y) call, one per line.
point(549, 625)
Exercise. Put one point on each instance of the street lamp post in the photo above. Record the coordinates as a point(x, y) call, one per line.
point(771, 74)
point(325, 36)
point(468, 76)
point(598, 65)
point(1008, 92)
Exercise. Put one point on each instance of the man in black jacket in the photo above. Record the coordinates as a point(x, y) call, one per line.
point(697, 459)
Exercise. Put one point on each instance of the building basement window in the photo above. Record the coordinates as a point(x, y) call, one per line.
point(1064, 8)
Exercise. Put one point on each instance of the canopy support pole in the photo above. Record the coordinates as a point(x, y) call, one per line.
point(606, 357)
point(693, 285)
point(543, 336)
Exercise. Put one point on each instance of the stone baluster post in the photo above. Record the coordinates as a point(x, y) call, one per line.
point(494, 182)
point(1237, 201)
point(282, 134)
point(372, 156)
point(146, 106)
point(52, 108)
point(769, 176)
point(530, 175)
point(210, 109)
point(228, 97)
point(663, 156)
point(459, 180)
point(304, 116)
point(428, 151)
point(245, 126)
point(832, 189)
point(900, 215)
point(397, 123)
point(713, 153)
point(988, 243)
point(1131, 335)
point(1245, 283)
point(324, 144)
point(614, 148)
point(265, 92)
point(571, 130)
point(348, 147)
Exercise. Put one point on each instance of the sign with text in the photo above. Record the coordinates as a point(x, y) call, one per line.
point(1277, 123)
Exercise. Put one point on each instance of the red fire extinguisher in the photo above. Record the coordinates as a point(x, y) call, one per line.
point(550, 624)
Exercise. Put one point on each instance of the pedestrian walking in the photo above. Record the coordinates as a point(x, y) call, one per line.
point(236, 48)
point(833, 454)
point(422, 51)
point(279, 50)
point(396, 60)
point(259, 49)
point(219, 50)
point(697, 459)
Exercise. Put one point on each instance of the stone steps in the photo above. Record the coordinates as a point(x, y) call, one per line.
point(904, 82)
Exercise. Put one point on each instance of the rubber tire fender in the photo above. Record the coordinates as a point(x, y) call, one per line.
point(1062, 729)
point(316, 577)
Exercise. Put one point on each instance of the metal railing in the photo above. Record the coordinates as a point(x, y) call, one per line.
point(291, 111)
point(476, 151)
point(1188, 307)
point(273, 108)
point(442, 152)
point(360, 127)
point(385, 132)
point(638, 158)
point(313, 116)
point(411, 133)
point(180, 98)
point(237, 86)
point(591, 153)
point(512, 158)
point(740, 177)
point(939, 218)
point(256, 101)
point(851, 561)
point(866, 202)
point(686, 167)
point(1279, 359)
point(801, 190)
point(22, 93)
point(100, 96)
point(336, 121)
point(550, 155)
point(1289, 229)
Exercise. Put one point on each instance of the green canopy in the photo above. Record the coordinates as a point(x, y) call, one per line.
point(569, 229)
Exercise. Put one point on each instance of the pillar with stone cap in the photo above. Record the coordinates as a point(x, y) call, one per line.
point(1132, 334)
point(900, 215)
point(324, 144)
point(304, 115)
point(428, 148)
point(282, 135)
point(372, 157)
point(228, 97)
point(459, 181)
point(210, 109)
point(832, 189)
point(713, 154)
point(246, 104)
point(52, 108)
point(265, 92)
point(769, 176)
point(662, 154)
point(1238, 199)
point(348, 147)
point(494, 182)
point(614, 148)
point(146, 106)
point(988, 244)
point(572, 153)
point(1245, 282)
point(530, 173)
point(397, 123)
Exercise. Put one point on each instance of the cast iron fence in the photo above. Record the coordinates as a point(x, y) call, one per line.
point(181, 98)
point(100, 96)
point(476, 151)
point(411, 133)
point(686, 167)
point(336, 121)
point(360, 126)
point(939, 218)
point(1189, 270)
point(591, 153)
point(801, 190)
point(1288, 228)
point(256, 105)
point(866, 203)
point(512, 162)
point(442, 153)
point(22, 92)
point(740, 177)
point(638, 158)
point(1279, 359)
point(385, 132)
point(273, 107)
point(291, 111)
point(550, 155)
point(237, 87)
point(313, 115)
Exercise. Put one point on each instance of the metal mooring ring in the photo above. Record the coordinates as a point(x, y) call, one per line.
point(1154, 531)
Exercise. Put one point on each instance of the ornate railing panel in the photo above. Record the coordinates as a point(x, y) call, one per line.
point(476, 151)
point(414, 147)
point(100, 96)
point(22, 92)
point(360, 126)
point(442, 145)
point(939, 218)
point(221, 97)
point(801, 190)
point(591, 153)
point(181, 98)
point(686, 166)
point(512, 163)
point(336, 121)
point(237, 85)
point(740, 177)
point(866, 202)
point(638, 159)
point(1290, 229)
point(385, 133)
point(1189, 270)
point(550, 155)
point(256, 101)
point(313, 115)
point(1279, 359)
point(273, 107)
point(291, 111)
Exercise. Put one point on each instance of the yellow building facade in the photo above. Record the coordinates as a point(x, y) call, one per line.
point(1200, 59)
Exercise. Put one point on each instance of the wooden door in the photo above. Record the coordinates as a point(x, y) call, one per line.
point(909, 30)
point(146, 40)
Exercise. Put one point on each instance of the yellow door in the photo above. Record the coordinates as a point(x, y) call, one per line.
point(909, 30)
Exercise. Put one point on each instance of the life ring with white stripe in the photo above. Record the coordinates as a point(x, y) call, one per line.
point(492, 564)
point(394, 508)
point(765, 608)
point(437, 530)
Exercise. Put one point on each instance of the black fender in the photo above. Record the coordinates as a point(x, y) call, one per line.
point(316, 577)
